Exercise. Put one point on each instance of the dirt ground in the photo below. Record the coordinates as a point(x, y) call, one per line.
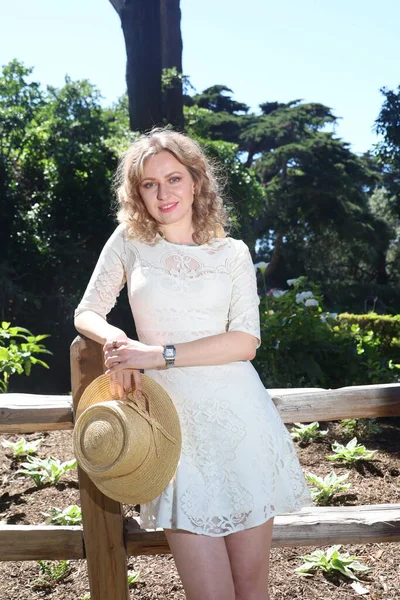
point(372, 483)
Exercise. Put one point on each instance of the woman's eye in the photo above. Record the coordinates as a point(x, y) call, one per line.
point(148, 185)
point(174, 179)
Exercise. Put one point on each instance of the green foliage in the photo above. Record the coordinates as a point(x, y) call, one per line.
point(21, 447)
point(51, 573)
point(307, 432)
point(133, 577)
point(46, 471)
point(327, 487)
point(71, 515)
point(304, 346)
point(301, 345)
point(351, 452)
point(360, 427)
point(17, 357)
point(332, 560)
point(384, 329)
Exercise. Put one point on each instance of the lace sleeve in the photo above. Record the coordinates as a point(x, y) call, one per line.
point(243, 312)
point(108, 278)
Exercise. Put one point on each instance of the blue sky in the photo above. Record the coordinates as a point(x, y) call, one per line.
point(336, 53)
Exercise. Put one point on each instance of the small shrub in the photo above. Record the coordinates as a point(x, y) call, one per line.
point(21, 447)
point(350, 453)
point(326, 488)
point(360, 427)
point(72, 515)
point(307, 433)
point(302, 346)
point(51, 572)
point(332, 560)
point(46, 471)
point(17, 357)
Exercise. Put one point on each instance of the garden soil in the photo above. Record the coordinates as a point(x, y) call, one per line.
point(372, 483)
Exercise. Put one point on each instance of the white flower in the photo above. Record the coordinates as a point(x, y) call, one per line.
point(301, 296)
point(293, 281)
point(311, 302)
point(262, 266)
point(278, 293)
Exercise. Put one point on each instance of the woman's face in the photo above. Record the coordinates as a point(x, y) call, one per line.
point(167, 190)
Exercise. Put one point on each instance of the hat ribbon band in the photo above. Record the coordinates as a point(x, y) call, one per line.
point(154, 424)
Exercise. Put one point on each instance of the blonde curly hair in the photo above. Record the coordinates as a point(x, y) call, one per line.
point(209, 215)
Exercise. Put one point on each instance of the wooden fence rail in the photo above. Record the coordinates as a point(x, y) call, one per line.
point(24, 413)
point(310, 527)
point(106, 539)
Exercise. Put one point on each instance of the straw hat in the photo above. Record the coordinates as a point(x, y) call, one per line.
point(130, 448)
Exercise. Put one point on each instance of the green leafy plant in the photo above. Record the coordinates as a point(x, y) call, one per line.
point(361, 427)
point(350, 453)
point(301, 344)
point(71, 515)
point(332, 560)
point(51, 572)
point(327, 487)
point(22, 447)
point(46, 471)
point(17, 349)
point(307, 433)
point(133, 577)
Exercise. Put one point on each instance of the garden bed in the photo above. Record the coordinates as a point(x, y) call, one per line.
point(374, 482)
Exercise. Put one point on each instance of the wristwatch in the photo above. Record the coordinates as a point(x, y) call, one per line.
point(169, 354)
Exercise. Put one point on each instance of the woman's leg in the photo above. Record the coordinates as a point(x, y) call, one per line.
point(203, 565)
point(249, 552)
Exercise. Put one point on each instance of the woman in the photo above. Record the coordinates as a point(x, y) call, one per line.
point(194, 299)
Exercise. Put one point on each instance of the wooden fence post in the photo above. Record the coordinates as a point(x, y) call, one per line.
point(102, 517)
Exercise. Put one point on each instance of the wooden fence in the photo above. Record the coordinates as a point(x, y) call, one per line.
point(106, 538)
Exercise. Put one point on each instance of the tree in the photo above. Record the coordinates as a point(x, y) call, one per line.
point(56, 167)
point(153, 43)
point(315, 213)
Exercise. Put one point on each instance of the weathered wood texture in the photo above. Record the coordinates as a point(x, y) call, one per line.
point(317, 526)
point(344, 403)
point(310, 527)
point(101, 516)
point(27, 413)
point(22, 413)
point(40, 542)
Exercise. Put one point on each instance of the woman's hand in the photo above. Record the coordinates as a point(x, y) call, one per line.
point(122, 356)
point(121, 382)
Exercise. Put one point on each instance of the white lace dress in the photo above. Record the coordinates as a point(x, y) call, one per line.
point(238, 465)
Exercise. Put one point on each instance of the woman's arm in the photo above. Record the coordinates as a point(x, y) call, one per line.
point(93, 326)
point(238, 343)
point(106, 282)
point(217, 349)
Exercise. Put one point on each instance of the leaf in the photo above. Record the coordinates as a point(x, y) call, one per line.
point(358, 588)
point(352, 444)
point(4, 354)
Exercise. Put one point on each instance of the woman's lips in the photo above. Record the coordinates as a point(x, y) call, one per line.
point(168, 207)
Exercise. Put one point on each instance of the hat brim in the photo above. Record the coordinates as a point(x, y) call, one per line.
point(150, 479)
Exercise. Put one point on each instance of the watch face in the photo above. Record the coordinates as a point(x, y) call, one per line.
point(169, 352)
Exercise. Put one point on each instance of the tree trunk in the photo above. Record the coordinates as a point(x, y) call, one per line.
point(140, 20)
point(153, 42)
point(171, 56)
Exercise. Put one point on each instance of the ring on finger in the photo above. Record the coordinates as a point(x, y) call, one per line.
point(115, 344)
